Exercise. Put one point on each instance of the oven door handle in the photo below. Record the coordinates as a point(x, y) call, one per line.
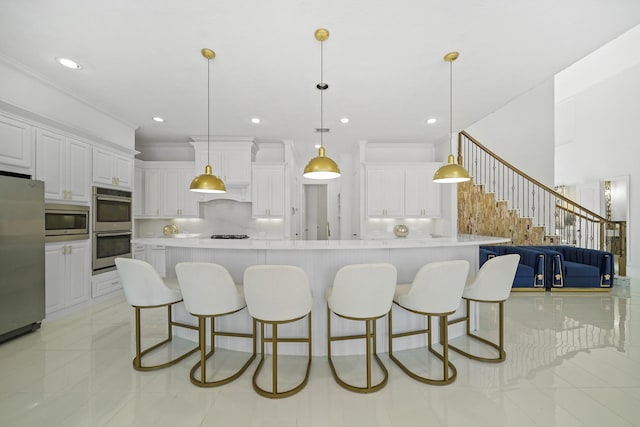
point(113, 234)
point(114, 199)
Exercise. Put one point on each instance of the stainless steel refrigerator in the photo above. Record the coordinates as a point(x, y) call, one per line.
point(22, 270)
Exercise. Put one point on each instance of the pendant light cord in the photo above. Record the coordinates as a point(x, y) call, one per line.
point(208, 108)
point(451, 106)
point(322, 94)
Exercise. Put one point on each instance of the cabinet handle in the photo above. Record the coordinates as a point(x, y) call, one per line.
point(64, 250)
point(70, 250)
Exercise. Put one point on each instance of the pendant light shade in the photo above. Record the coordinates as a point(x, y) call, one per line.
point(208, 182)
point(452, 172)
point(321, 167)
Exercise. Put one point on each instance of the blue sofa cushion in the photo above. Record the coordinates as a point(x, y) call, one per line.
point(576, 269)
point(524, 277)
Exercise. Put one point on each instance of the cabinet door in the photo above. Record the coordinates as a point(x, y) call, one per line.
point(50, 164)
point(138, 192)
point(123, 167)
point(170, 188)
point(422, 195)
point(16, 145)
point(54, 259)
point(102, 167)
point(78, 277)
point(267, 191)
point(187, 200)
point(236, 167)
point(78, 171)
point(152, 192)
point(385, 192)
point(158, 260)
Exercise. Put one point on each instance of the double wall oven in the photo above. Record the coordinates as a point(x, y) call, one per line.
point(112, 225)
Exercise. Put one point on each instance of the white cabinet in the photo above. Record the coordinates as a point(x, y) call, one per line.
point(403, 191)
point(16, 145)
point(138, 192)
point(178, 200)
point(64, 164)
point(231, 160)
point(423, 197)
point(267, 191)
point(105, 283)
point(385, 192)
point(152, 192)
point(157, 257)
point(112, 168)
point(166, 190)
point(67, 274)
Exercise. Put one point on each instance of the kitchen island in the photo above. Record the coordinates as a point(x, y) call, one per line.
point(321, 259)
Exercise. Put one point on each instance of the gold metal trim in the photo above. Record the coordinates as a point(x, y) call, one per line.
point(321, 34)
point(369, 337)
point(451, 56)
point(502, 355)
point(208, 53)
point(274, 340)
point(204, 356)
point(449, 371)
point(137, 360)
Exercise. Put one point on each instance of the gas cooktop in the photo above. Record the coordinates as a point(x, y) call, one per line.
point(229, 236)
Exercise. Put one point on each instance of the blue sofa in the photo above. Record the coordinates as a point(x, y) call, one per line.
point(569, 267)
point(530, 271)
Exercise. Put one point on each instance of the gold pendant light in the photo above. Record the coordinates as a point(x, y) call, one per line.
point(321, 167)
point(207, 182)
point(452, 172)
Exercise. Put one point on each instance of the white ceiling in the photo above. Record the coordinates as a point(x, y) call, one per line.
point(383, 60)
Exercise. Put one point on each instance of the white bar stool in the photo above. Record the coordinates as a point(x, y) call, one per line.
point(361, 292)
point(278, 294)
point(144, 288)
point(436, 290)
point(492, 284)
point(209, 292)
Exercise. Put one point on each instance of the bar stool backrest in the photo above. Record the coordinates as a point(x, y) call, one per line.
point(437, 287)
point(208, 289)
point(494, 280)
point(277, 292)
point(142, 285)
point(363, 290)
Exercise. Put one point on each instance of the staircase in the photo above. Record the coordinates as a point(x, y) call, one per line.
point(501, 200)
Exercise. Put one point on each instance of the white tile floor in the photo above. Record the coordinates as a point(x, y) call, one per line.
point(572, 360)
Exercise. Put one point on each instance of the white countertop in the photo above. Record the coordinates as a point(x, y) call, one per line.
point(206, 242)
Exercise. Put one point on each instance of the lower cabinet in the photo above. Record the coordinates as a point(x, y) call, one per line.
point(105, 283)
point(68, 274)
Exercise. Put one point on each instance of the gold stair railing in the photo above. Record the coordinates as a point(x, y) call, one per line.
point(563, 219)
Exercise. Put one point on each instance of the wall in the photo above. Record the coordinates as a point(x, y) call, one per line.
point(522, 132)
point(34, 98)
point(599, 139)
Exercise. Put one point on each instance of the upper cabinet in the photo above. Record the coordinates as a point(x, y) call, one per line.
point(402, 191)
point(231, 160)
point(267, 191)
point(385, 192)
point(64, 164)
point(162, 190)
point(112, 169)
point(16, 145)
point(423, 197)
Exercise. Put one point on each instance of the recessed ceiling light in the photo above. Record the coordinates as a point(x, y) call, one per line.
point(344, 120)
point(317, 145)
point(255, 120)
point(158, 119)
point(431, 121)
point(68, 63)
